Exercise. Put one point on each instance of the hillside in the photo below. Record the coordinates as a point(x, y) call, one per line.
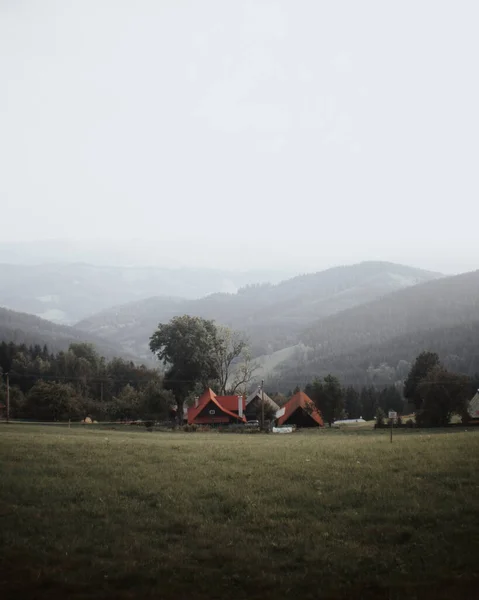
point(440, 315)
point(22, 328)
point(66, 293)
point(273, 316)
point(385, 363)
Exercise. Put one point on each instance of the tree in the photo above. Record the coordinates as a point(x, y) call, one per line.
point(156, 401)
point(52, 401)
point(233, 374)
point(425, 362)
point(187, 346)
point(127, 405)
point(369, 402)
point(352, 403)
point(390, 399)
point(443, 394)
point(327, 395)
point(380, 416)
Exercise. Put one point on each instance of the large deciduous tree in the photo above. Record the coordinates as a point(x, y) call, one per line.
point(186, 345)
point(443, 394)
point(232, 361)
point(425, 362)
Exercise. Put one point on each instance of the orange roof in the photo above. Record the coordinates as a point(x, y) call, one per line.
point(209, 396)
point(230, 402)
point(300, 400)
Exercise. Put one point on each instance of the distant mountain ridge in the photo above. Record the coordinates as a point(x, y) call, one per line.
point(273, 316)
point(67, 293)
point(441, 315)
point(22, 328)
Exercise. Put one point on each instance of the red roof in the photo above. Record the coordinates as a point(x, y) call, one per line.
point(300, 400)
point(224, 403)
point(231, 402)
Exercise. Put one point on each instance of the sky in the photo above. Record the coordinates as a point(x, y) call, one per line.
point(243, 133)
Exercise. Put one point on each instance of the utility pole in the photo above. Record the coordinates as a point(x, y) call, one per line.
point(262, 404)
point(8, 399)
point(101, 392)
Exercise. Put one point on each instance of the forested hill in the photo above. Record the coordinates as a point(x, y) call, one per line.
point(273, 316)
point(22, 328)
point(387, 362)
point(441, 303)
point(367, 343)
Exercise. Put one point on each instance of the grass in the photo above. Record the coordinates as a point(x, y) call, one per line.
point(91, 513)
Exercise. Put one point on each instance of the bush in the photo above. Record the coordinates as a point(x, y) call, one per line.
point(380, 416)
point(190, 428)
point(410, 423)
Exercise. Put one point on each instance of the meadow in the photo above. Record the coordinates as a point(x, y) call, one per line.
point(98, 513)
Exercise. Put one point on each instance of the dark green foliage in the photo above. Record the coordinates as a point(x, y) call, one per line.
point(425, 362)
point(327, 395)
point(352, 403)
point(52, 401)
point(443, 394)
point(390, 398)
point(380, 417)
point(79, 382)
point(369, 399)
point(186, 345)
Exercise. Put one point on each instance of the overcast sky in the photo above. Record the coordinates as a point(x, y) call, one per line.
point(244, 133)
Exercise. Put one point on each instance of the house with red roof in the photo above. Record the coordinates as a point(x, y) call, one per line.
point(210, 409)
point(301, 411)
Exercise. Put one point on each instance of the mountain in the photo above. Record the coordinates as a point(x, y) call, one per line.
point(371, 340)
point(22, 328)
point(273, 316)
point(66, 293)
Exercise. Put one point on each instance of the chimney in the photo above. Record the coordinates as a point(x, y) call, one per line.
point(197, 399)
point(240, 406)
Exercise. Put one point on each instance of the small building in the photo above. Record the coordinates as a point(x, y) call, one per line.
point(473, 407)
point(210, 409)
point(253, 405)
point(301, 411)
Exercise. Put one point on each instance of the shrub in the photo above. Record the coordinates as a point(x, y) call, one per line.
point(380, 416)
point(190, 428)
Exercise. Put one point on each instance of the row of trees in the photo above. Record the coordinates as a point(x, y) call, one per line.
point(79, 383)
point(337, 402)
point(435, 393)
point(197, 354)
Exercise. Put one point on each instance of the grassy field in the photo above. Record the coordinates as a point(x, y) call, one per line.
point(91, 513)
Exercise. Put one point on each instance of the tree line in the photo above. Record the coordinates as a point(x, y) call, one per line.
point(77, 383)
point(196, 354)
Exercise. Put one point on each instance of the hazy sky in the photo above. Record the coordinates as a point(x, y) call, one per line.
point(244, 133)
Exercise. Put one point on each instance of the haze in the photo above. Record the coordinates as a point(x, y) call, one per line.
point(243, 134)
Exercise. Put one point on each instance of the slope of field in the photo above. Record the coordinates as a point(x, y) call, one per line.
point(108, 514)
point(271, 315)
point(22, 328)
